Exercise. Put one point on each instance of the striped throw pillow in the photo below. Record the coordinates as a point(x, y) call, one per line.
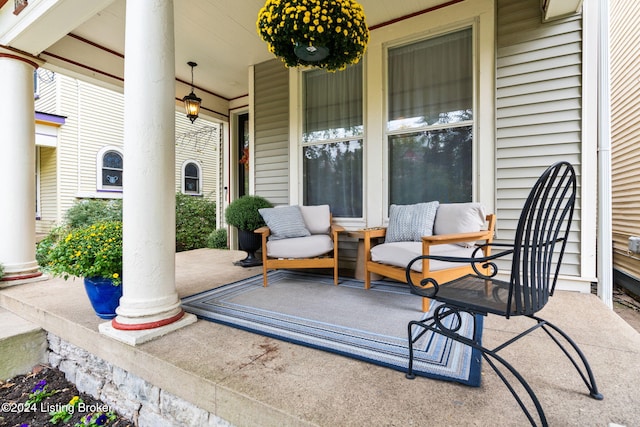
point(284, 222)
point(408, 223)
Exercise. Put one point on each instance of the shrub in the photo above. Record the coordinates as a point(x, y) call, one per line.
point(243, 212)
point(195, 221)
point(44, 247)
point(218, 239)
point(1, 271)
point(89, 211)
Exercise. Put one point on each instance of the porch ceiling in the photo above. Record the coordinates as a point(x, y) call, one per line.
point(217, 34)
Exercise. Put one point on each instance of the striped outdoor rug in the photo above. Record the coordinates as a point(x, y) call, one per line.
point(310, 310)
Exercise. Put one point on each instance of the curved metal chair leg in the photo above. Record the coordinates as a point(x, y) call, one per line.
point(590, 382)
point(543, 419)
point(487, 355)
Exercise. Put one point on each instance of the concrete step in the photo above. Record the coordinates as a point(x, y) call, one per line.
point(23, 345)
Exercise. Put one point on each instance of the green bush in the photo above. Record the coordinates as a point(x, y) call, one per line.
point(195, 221)
point(1, 271)
point(218, 239)
point(243, 212)
point(45, 246)
point(89, 211)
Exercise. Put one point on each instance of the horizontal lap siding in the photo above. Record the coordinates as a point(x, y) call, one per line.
point(538, 109)
point(198, 142)
point(101, 124)
point(625, 132)
point(271, 126)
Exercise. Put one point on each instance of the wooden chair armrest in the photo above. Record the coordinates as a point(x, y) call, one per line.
point(372, 233)
point(337, 228)
point(442, 239)
point(262, 230)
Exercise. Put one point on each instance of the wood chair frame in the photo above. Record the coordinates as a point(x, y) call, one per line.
point(441, 276)
point(329, 260)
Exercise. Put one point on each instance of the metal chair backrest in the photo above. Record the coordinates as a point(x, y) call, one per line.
point(544, 222)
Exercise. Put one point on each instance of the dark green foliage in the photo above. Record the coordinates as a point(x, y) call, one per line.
point(195, 220)
point(243, 212)
point(89, 211)
point(218, 239)
point(45, 245)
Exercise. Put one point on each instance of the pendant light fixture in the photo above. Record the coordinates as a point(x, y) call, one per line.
point(191, 101)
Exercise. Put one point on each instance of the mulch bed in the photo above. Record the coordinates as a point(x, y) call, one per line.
point(15, 393)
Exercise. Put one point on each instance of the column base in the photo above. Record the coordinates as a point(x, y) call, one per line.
point(138, 336)
point(7, 281)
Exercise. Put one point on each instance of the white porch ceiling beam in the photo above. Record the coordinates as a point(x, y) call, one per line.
point(44, 22)
point(556, 9)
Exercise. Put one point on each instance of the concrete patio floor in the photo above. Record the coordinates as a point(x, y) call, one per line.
point(251, 380)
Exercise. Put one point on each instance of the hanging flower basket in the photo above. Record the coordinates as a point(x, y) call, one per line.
point(327, 34)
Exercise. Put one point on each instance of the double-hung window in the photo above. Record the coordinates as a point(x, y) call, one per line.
point(332, 140)
point(429, 129)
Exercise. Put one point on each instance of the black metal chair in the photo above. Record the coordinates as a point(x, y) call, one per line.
point(536, 255)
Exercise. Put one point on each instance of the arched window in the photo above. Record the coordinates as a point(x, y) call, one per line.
point(110, 165)
point(191, 174)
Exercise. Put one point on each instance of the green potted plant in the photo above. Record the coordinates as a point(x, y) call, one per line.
point(93, 252)
point(243, 214)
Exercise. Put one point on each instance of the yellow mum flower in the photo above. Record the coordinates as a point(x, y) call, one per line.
point(115, 275)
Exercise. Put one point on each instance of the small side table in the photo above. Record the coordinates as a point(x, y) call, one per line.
point(359, 273)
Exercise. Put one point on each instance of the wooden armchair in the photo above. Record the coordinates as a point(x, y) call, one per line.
point(449, 239)
point(289, 243)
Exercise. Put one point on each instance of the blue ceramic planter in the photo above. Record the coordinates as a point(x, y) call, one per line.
point(104, 296)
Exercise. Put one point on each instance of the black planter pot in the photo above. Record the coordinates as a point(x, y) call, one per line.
point(249, 242)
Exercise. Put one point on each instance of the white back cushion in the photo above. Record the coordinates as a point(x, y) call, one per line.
point(453, 218)
point(317, 218)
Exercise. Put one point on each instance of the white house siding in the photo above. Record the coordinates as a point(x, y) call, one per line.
point(271, 130)
point(625, 135)
point(95, 119)
point(68, 143)
point(47, 158)
point(538, 110)
point(198, 142)
point(100, 124)
point(46, 100)
point(48, 189)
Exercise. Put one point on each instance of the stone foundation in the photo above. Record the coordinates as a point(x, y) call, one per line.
point(125, 393)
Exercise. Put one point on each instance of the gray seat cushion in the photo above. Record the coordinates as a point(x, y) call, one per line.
point(300, 247)
point(401, 253)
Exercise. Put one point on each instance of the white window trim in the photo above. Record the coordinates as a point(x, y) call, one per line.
point(99, 157)
point(182, 177)
point(481, 15)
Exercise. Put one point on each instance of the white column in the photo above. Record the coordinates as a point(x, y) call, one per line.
point(150, 300)
point(17, 168)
